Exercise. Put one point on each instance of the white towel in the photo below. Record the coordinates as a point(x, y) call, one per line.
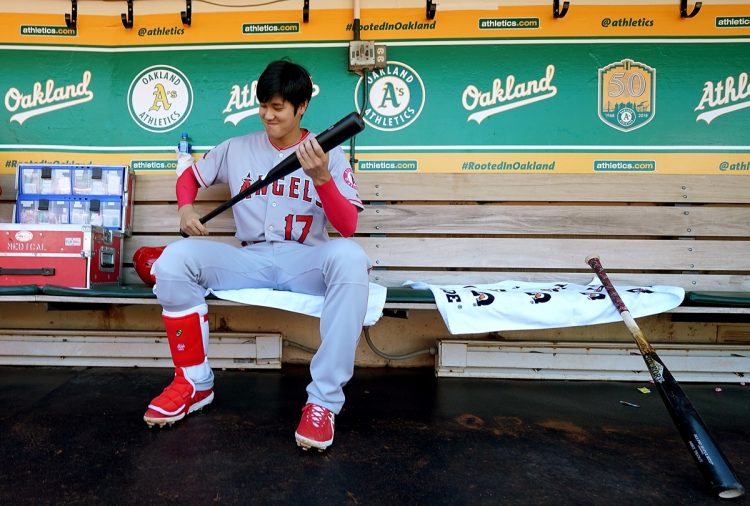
point(300, 302)
point(517, 305)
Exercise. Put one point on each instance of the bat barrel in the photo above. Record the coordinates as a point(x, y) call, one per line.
point(711, 462)
point(715, 468)
point(707, 455)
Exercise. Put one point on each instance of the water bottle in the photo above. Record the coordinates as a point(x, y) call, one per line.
point(184, 146)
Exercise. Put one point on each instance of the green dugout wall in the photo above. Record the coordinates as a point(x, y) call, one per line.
point(606, 88)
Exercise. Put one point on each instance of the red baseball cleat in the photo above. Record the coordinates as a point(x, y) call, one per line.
point(315, 429)
point(180, 398)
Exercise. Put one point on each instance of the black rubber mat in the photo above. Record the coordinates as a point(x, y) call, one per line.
point(76, 436)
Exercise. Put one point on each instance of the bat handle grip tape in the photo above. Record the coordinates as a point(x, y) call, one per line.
point(596, 265)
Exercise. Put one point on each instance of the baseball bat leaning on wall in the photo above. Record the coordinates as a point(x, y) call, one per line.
point(344, 129)
point(706, 453)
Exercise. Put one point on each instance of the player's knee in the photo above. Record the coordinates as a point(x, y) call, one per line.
point(346, 257)
point(350, 252)
point(172, 260)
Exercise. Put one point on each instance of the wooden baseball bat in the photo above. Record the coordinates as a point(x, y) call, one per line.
point(707, 455)
point(344, 129)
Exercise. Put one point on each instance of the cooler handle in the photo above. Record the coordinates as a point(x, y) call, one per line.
point(42, 271)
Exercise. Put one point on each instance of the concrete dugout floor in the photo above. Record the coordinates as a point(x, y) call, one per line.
point(76, 436)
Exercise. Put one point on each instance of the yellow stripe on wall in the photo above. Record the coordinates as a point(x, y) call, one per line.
point(505, 162)
point(581, 21)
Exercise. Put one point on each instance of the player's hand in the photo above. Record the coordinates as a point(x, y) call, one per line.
point(314, 161)
point(190, 221)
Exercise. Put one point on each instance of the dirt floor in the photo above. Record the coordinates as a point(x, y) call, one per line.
point(76, 436)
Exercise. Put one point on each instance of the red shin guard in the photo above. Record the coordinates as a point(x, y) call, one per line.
point(186, 338)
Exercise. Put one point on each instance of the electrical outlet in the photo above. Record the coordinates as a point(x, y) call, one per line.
point(381, 56)
point(366, 55)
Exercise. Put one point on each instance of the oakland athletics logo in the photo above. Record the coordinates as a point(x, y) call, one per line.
point(160, 98)
point(395, 97)
point(627, 94)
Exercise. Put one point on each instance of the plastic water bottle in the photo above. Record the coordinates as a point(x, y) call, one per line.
point(184, 146)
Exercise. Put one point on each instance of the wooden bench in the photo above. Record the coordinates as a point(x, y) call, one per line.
point(685, 230)
point(690, 231)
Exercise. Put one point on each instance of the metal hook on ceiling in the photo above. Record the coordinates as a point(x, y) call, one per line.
point(127, 21)
point(72, 19)
point(187, 14)
point(684, 12)
point(430, 9)
point(556, 12)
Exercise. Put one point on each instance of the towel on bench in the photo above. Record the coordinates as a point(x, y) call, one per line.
point(517, 305)
point(311, 305)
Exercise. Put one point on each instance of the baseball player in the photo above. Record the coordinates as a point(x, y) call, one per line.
point(284, 245)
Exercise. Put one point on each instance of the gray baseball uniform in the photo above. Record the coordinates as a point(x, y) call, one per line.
point(283, 228)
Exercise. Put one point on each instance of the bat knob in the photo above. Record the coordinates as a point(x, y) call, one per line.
point(591, 257)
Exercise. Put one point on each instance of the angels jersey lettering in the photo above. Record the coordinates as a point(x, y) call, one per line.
point(286, 210)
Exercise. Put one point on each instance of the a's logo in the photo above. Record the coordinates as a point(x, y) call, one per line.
point(627, 94)
point(243, 102)
point(395, 97)
point(724, 97)
point(507, 95)
point(160, 98)
point(181, 347)
point(47, 97)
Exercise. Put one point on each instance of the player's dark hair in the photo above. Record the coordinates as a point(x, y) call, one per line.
point(289, 80)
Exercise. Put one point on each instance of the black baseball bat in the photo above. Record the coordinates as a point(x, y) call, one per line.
point(702, 446)
point(344, 129)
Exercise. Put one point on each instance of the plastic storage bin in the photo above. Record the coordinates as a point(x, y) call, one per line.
point(94, 180)
point(37, 180)
point(42, 211)
point(98, 195)
point(98, 212)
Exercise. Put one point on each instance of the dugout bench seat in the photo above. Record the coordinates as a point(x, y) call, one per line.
point(685, 230)
point(689, 231)
point(397, 299)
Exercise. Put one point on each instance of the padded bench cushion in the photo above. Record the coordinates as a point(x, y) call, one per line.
point(732, 299)
point(20, 290)
point(402, 295)
point(395, 295)
point(114, 291)
point(409, 295)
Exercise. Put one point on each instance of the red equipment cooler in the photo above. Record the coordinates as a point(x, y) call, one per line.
point(73, 256)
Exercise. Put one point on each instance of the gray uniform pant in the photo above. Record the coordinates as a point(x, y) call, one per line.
point(337, 269)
